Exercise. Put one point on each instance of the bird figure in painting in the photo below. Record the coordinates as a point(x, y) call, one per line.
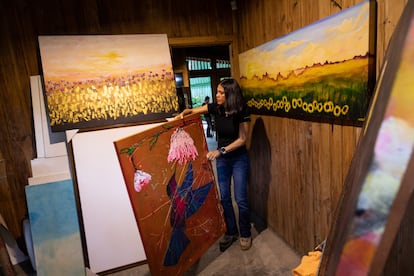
point(184, 202)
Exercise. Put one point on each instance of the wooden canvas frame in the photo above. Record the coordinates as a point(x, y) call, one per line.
point(44, 146)
point(51, 162)
point(324, 72)
point(171, 186)
point(364, 252)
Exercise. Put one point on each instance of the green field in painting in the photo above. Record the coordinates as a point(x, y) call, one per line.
point(338, 90)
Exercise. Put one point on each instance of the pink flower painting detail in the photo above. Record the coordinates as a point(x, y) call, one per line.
point(182, 147)
point(141, 179)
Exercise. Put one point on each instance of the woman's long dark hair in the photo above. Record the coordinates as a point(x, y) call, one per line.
point(234, 97)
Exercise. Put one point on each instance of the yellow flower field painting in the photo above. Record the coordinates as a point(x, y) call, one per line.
point(97, 81)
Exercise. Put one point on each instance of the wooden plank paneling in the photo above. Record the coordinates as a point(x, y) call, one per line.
point(302, 175)
point(337, 156)
point(388, 16)
point(297, 175)
point(308, 11)
point(322, 173)
point(16, 144)
point(285, 189)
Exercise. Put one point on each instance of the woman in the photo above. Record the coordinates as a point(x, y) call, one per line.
point(232, 121)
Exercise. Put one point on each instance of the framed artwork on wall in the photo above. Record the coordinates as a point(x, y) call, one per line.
point(322, 72)
point(98, 81)
point(172, 190)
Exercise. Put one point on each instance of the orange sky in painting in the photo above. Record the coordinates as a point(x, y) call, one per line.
point(87, 57)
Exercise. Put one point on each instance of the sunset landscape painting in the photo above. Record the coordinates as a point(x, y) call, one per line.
point(97, 81)
point(322, 71)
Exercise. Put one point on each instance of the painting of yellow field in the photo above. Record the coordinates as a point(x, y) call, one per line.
point(98, 81)
point(322, 71)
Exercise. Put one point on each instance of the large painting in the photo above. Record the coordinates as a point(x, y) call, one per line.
point(379, 184)
point(321, 72)
point(98, 81)
point(172, 189)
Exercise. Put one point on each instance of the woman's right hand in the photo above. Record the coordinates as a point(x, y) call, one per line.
point(179, 116)
point(183, 113)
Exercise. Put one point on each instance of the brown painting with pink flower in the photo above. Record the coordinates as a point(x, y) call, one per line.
point(173, 193)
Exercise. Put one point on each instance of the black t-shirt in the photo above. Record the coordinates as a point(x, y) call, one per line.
point(206, 115)
point(227, 127)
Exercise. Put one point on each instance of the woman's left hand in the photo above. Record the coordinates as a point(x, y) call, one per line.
point(212, 155)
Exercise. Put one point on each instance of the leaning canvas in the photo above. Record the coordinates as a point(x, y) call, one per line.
point(322, 72)
point(97, 81)
point(385, 178)
point(55, 228)
point(379, 186)
point(172, 189)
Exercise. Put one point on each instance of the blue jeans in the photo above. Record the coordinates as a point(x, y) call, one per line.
point(238, 168)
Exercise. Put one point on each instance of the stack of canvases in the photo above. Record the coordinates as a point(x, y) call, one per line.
point(96, 95)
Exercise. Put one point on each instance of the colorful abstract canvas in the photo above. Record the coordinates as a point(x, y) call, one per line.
point(55, 228)
point(392, 153)
point(321, 71)
point(379, 185)
point(96, 81)
point(172, 189)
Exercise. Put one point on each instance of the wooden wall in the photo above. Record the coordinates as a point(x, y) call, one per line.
point(299, 166)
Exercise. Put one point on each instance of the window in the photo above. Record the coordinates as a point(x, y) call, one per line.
point(195, 64)
point(200, 88)
point(221, 63)
point(202, 69)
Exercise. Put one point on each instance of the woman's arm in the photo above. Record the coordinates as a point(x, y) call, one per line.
point(201, 109)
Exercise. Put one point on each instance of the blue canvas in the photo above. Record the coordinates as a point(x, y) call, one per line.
point(55, 228)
